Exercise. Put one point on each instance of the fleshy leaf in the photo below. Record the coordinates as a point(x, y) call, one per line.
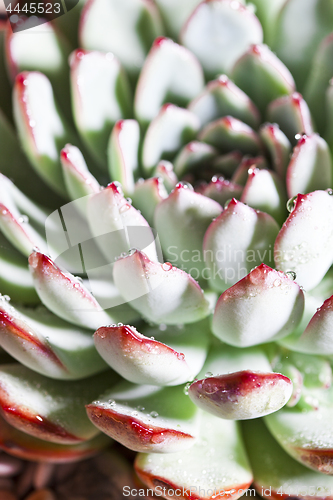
point(269, 76)
point(117, 226)
point(100, 95)
point(78, 180)
point(310, 167)
point(27, 447)
point(66, 296)
point(123, 153)
point(192, 340)
point(276, 474)
point(170, 130)
point(218, 32)
point(15, 165)
point(219, 441)
point(222, 97)
point(127, 29)
point(146, 418)
point(299, 30)
point(292, 115)
point(238, 240)
point(174, 22)
point(140, 359)
point(306, 435)
point(228, 134)
point(263, 306)
point(16, 210)
point(164, 171)
point(147, 195)
point(305, 243)
point(160, 292)
point(171, 73)
point(228, 163)
point(221, 190)
point(15, 279)
point(247, 166)
point(278, 146)
point(321, 73)
point(241, 395)
point(47, 344)
point(182, 241)
point(46, 51)
point(42, 131)
point(317, 337)
point(264, 191)
point(193, 156)
point(49, 409)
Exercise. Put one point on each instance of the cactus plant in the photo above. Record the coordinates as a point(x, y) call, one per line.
point(166, 217)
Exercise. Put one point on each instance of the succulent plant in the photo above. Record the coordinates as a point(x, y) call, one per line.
point(184, 309)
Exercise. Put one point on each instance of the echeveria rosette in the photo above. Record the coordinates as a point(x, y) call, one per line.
point(181, 298)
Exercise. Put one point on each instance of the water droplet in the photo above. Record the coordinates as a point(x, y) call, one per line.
point(23, 219)
point(291, 204)
point(291, 275)
point(208, 374)
point(153, 414)
point(185, 185)
point(152, 338)
point(186, 388)
point(329, 191)
point(120, 324)
point(124, 208)
point(166, 266)
point(277, 283)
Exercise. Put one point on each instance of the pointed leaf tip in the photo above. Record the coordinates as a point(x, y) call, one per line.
point(242, 395)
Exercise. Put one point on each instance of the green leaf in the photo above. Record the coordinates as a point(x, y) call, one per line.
point(100, 97)
point(147, 418)
point(127, 29)
point(263, 306)
point(218, 32)
point(167, 133)
point(225, 472)
point(269, 80)
point(123, 154)
point(222, 97)
point(275, 473)
point(49, 409)
point(182, 241)
point(238, 240)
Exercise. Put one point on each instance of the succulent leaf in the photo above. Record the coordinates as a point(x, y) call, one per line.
point(219, 439)
point(101, 96)
point(126, 29)
point(160, 292)
point(48, 345)
point(170, 74)
point(238, 240)
point(140, 359)
point(228, 134)
point(42, 131)
point(182, 242)
point(147, 418)
point(171, 129)
point(278, 146)
point(222, 97)
point(292, 115)
point(218, 32)
point(263, 306)
point(49, 409)
point(304, 244)
point(275, 473)
point(310, 167)
point(269, 80)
